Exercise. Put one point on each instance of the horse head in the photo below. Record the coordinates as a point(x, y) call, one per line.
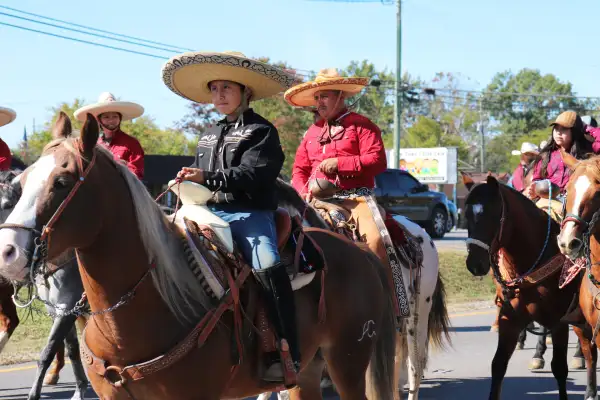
point(582, 204)
point(51, 195)
point(483, 212)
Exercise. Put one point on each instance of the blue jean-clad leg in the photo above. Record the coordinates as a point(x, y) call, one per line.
point(254, 233)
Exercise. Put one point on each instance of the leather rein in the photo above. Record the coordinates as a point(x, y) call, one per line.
point(510, 288)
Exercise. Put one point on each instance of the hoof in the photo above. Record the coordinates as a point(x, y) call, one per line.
point(548, 340)
point(326, 383)
point(51, 379)
point(520, 346)
point(494, 328)
point(577, 363)
point(536, 363)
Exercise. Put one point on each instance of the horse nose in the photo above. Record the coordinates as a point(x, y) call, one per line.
point(575, 245)
point(9, 254)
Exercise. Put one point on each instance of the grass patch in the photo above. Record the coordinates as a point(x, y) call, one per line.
point(29, 338)
point(460, 285)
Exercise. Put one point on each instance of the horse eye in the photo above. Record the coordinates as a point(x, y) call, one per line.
point(61, 182)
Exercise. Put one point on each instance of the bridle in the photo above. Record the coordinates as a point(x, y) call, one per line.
point(588, 228)
point(509, 288)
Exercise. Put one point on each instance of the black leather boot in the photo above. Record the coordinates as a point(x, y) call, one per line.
point(282, 312)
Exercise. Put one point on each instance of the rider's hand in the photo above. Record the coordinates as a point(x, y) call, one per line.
point(191, 174)
point(329, 166)
point(308, 196)
point(530, 191)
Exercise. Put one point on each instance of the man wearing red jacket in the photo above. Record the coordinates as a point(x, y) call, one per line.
point(338, 159)
point(6, 117)
point(110, 113)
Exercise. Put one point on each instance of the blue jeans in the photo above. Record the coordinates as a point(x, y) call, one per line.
point(254, 233)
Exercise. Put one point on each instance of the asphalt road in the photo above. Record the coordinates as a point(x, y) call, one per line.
point(459, 373)
point(453, 240)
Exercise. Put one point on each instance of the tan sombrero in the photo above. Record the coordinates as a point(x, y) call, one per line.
point(189, 74)
point(303, 95)
point(7, 116)
point(108, 103)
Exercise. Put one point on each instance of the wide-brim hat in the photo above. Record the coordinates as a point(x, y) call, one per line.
point(189, 75)
point(7, 116)
point(527, 147)
point(303, 95)
point(108, 103)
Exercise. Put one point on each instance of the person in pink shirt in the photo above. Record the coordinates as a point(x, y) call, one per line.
point(570, 134)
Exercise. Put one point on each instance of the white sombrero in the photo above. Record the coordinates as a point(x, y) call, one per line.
point(189, 74)
point(7, 116)
point(303, 95)
point(526, 147)
point(108, 103)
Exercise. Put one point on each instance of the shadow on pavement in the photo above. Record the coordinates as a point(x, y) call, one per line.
point(541, 387)
point(60, 391)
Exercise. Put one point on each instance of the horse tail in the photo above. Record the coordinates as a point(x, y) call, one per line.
point(438, 317)
point(380, 375)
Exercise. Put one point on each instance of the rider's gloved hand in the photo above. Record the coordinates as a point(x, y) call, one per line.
point(191, 174)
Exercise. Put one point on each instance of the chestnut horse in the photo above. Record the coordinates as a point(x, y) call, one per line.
point(579, 240)
point(505, 228)
point(164, 337)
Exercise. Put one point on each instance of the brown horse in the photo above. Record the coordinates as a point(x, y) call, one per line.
point(144, 340)
point(579, 239)
point(509, 234)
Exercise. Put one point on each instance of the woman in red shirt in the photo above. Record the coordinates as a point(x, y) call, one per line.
point(569, 134)
point(6, 117)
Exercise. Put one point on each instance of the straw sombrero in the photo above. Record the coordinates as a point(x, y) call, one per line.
point(108, 103)
point(7, 116)
point(189, 74)
point(302, 95)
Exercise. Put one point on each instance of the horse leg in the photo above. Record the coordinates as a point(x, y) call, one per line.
point(508, 334)
point(589, 351)
point(560, 367)
point(73, 353)
point(9, 319)
point(59, 362)
point(537, 362)
point(309, 383)
point(578, 361)
point(521, 340)
point(60, 328)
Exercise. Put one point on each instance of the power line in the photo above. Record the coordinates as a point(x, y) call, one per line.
point(95, 29)
point(87, 33)
point(84, 41)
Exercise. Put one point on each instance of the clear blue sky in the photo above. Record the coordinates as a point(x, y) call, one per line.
point(472, 37)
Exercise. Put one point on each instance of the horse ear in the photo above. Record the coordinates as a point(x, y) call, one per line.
point(62, 127)
point(492, 181)
point(570, 161)
point(467, 180)
point(89, 134)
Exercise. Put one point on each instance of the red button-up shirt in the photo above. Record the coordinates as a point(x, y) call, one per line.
point(127, 148)
point(5, 156)
point(355, 142)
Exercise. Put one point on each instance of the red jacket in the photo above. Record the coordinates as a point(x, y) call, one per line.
point(127, 148)
point(5, 156)
point(357, 145)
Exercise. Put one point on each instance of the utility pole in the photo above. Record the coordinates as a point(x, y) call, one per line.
point(398, 103)
point(481, 137)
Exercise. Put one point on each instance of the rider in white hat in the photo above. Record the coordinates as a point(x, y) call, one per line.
point(110, 113)
point(6, 117)
point(529, 153)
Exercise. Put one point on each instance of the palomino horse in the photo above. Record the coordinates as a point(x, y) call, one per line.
point(60, 292)
point(165, 337)
point(527, 263)
point(428, 320)
point(579, 240)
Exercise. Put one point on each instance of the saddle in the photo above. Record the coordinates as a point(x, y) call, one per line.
point(213, 256)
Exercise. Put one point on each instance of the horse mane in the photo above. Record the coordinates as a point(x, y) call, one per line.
point(291, 200)
point(172, 277)
point(592, 166)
